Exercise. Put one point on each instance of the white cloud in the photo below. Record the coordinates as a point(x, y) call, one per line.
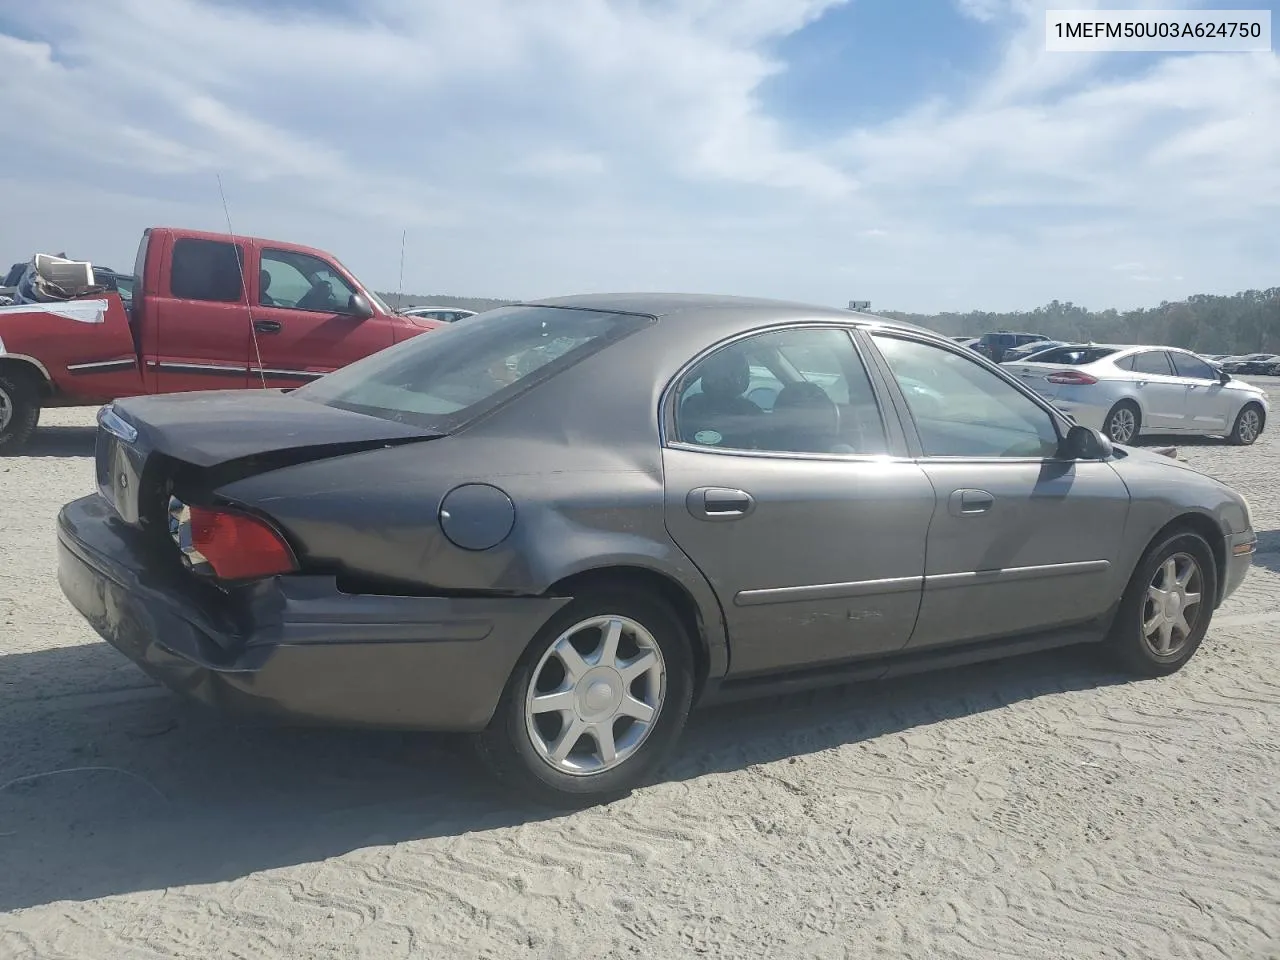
point(533, 147)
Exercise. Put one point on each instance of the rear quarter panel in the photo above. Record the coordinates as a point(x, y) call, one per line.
point(87, 350)
point(585, 479)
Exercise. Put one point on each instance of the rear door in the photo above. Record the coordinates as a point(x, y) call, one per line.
point(1208, 406)
point(201, 334)
point(785, 497)
point(1020, 540)
point(1162, 393)
point(303, 322)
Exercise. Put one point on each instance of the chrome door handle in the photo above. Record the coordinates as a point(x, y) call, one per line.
point(967, 503)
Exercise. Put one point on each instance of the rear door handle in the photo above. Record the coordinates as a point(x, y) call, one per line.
point(268, 326)
point(965, 503)
point(719, 503)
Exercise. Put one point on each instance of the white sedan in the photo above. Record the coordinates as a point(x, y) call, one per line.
point(1128, 391)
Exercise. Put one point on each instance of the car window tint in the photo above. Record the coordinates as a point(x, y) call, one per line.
point(446, 378)
point(302, 282)
point(206, 270)
point(1189, 366)
point(1154, 362)
point(961, 409)
point(787, 391)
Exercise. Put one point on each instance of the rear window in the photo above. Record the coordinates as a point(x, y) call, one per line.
point(1073, 356)
point(448, 376)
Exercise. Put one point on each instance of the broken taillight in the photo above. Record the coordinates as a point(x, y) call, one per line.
point(1072, 378)
point(237, 546)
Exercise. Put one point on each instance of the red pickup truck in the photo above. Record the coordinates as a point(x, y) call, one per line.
point(208, 312)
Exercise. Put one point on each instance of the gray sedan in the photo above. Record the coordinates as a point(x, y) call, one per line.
point(1128, 391)
point(561, 525)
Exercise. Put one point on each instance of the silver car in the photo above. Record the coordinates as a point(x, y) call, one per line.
point(443, 314)
point(1128, 391)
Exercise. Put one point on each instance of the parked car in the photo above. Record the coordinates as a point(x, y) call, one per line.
point(564, 569)
point(994, 345)
point(1254, 363)
point(1129, 391)
point(195, 318)
point(442, 314)
point(1029, 350)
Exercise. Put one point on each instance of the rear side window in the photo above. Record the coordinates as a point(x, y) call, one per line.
point(1155, 362)
point(206, 270)
point(802, 390)
point(442, 379)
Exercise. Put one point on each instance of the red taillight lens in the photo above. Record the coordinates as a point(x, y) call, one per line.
point(1073, 377)
point(238, 546)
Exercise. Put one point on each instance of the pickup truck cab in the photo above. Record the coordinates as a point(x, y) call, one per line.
point(208, 311)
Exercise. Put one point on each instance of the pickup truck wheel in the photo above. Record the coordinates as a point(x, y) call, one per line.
point(19, 410)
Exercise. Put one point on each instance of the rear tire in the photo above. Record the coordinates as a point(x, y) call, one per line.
point(1156, 631)
point(522, 745)
point(1249, 424)
point(1123, 423)
point(19, 410)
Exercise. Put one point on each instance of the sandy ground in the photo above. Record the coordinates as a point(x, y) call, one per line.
point(1037, 808)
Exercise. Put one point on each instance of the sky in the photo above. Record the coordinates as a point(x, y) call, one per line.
point(925, 155)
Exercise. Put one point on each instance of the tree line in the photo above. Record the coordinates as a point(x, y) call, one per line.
point(1245, 322)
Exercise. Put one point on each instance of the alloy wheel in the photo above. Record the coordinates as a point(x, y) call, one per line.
point(1122, 426)
point(6, 409)
point(1172, 606)
point(595, 695)
point(1250, 425)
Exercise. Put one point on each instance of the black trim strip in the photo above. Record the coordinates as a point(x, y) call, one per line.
point(98, 366)
point(277, 372)
point(210, 368)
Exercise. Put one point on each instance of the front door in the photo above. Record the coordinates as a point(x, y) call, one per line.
point(1162, 393)
point(303, 323)
point(1020, 541)
point(1209, 404)
point(779, 488)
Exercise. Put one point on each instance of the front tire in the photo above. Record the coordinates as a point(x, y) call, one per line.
point(1248, 426)
point(595, 704)
point(1123, 423)
point(19, 410)
point(1166, 607)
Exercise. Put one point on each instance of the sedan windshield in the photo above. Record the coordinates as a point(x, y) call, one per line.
point(446, 377)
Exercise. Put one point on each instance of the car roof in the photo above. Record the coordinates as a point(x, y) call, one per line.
point(679, 308)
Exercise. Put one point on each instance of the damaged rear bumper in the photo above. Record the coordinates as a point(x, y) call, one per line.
point(298, 647)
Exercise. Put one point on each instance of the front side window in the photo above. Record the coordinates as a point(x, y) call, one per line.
point(803, 390)
point(962, 409)
point(1193, 367)
point(299, 281)
point(443, 379)
point(206, 270)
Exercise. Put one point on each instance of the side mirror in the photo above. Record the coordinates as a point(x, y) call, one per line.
point(359, 307)
point(1223, 376)
point(1085, 443)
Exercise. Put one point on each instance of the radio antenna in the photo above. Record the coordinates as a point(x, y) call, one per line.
point(244, 284)
point(400, 292)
